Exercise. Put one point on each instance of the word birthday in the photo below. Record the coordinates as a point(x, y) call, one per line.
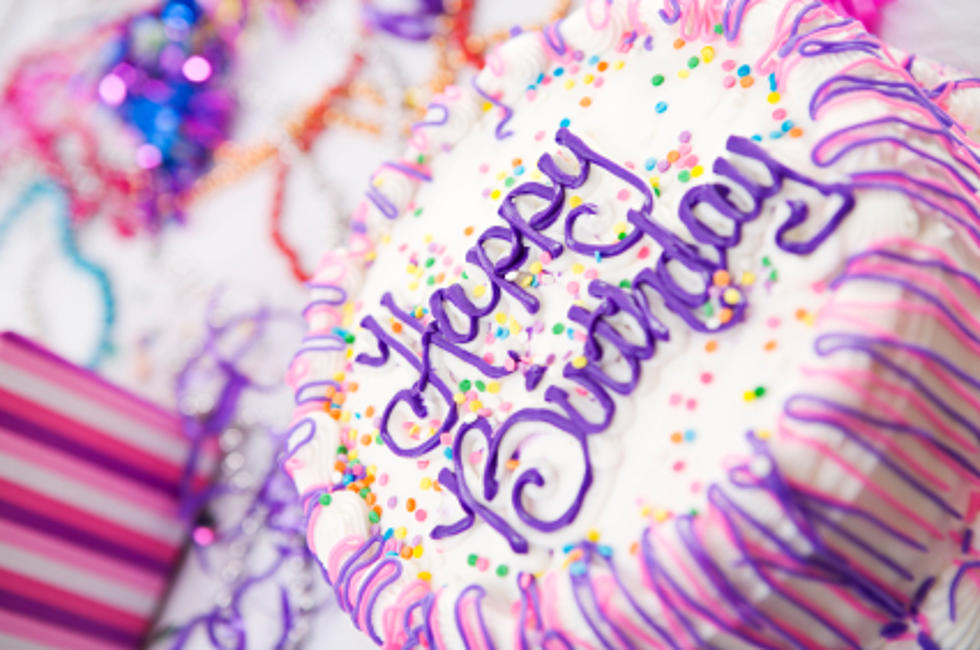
point(604, 342)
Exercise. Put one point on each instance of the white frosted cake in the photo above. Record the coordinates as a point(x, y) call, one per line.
point(663, 333)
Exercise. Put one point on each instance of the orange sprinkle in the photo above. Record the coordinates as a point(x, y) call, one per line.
point(335, 414)
point(585, 102)
point(369, 479)
point(339, 466)
point(516, 162)
point(795, 132)
point(371, 498)
point(468, 230)
point(376, 510)
point(406, 552)
point(800, 314)
point(366, 439)
point(410, 504)
point(352, 487)
point(369, 411)
point(602, 66)
point(339, 398)
point(331, 390)
point(440, 277)
point(679, 43)
point(436, 486)
point(673, 156)
point(396, 327)
point(352, 387)
point(575, 554)
point(725, 315)
point(512, 464)
point(676, 437)
point(770, 346)
point(634, 548)
point(745, 82)
point(711, 346)
point(721, 278)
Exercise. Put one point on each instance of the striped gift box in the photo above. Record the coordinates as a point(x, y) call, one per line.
point(89, 528)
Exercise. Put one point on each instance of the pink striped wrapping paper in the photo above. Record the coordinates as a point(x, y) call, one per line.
point(89, 483)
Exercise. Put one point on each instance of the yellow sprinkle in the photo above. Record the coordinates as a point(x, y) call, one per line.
point(748, 278)
point(645, 511)
point(501, 176)
point(386, 238)
point(345, 417)
point(588, 79)
point(425, 483)
point(577, 268)
point(654, 181)
point(515, 328)
point(580, 362)
point(660, 514)
point(732, 296)
point(536, 175)
point(349, 353)
point(810, 319)
point(370, 256)
point(352, 435)
point(536, 267)
point(413, 285)
point(372, 469)
point(411, 269)
point(479, 290)
point(417, 551)
point(707, 53)
point(352, 454)
point(501, 318)
point(773, 97)
point(592, 535)
point(459, 398)
point(620, 227)
point(400, 532)
point(684, 74)
point(697, 170)
point(493, 387)
point(765, 434)
point(495, 194)
point(415, 429)
point(378, 182)
point(475, 405)
point(569, 84)
point(428, 238)
point(487, 106)
point(619, 64)
point(575, 201)
point(748, 395)
point(425, 575)
point(526, 281)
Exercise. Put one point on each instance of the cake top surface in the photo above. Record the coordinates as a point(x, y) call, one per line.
point(624, 271)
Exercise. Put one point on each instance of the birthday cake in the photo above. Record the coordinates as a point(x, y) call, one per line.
point(663, 333)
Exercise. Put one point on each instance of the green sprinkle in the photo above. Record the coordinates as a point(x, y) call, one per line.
point(349, 338)
point(624, 284)
point(657, 79)
point(465, 385)
point(341, 449)
point(760, 391)
point(325, 499)
point(656, 191)
point(621, 235)
point(471, 559)
point(766, 261)
point(373, 517)
point(417, 213)
point(693, 62)
point(558, 328)
point(719, 29)
point(684, 176)
point(774, 275)
point(429, 262)
point(431, 281)
point(502, 570)
point(378, 440)
point(709, 309)
point(694, 512)
point(480, 386)
point(509, 182)
point(420, 159)
point(464, 276)
point(363, 492)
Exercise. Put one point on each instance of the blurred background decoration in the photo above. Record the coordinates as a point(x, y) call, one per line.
point(170, 171)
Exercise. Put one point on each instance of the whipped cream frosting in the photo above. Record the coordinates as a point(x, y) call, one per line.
point(662, 333)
